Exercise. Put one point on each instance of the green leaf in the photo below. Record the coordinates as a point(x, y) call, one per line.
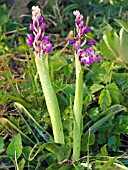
point(122, 24)
point(14, 149)
point(114, 92)
point(1, 145)
point(104, 99)
point(96, 87)
point(124, 46)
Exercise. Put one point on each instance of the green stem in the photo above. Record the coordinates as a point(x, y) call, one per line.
point(50, 98)
point(77, 110)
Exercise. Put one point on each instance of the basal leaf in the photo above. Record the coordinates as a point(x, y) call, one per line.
point(106, 50)
point(96, 87)
point(104, 99)
point(15, 147)
point(112, 41)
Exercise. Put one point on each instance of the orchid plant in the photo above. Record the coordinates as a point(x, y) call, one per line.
point(86, 56)
point(84, 53)
point(43, 46)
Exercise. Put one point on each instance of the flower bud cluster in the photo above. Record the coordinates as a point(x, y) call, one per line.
point(84, 48)
point(40, 42)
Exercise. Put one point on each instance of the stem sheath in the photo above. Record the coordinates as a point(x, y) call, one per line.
point(50, 98)
point(77, 110)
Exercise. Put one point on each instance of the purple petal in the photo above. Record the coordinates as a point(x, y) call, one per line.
point(90, 51)
point(82, 24)
point(35, 24)
point(86, 30)
point(47, 48)
point(31, 27)
point(39, 37)
point(96, 59)
point(29, 42)
point(36, 51)
point(42, 26)
point(77, 21)
point(90, 42)
point(77, 47)
point(30, 36)
point(46, 38)
point(71, 41)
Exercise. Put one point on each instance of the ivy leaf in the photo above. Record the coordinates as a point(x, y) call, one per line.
point(96, 87)
point(104, 99)
point(114, 92)
point(114, 143)
point(103, 151)
point(14, 149)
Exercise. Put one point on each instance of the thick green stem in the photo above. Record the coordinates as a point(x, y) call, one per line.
point(77, 110)
point(50, 98)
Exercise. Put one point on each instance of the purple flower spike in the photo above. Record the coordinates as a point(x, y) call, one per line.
point(85, 55)
point(40, 42)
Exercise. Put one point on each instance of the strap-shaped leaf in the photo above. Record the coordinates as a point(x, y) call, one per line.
point(6, 123)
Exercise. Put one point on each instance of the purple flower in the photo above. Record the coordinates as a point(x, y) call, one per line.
point(40, 42)
point(85, 55)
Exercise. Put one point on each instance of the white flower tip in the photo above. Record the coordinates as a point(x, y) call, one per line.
point(76, 12)
point(36, 9)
